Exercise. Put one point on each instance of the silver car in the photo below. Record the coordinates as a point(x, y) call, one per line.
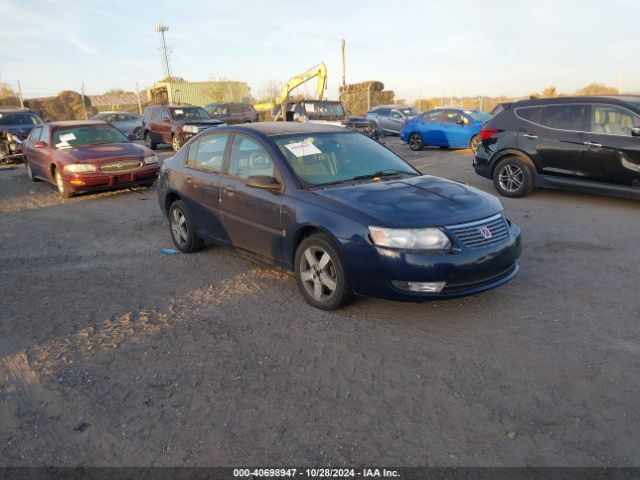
point(127, 122)
point(391, 118)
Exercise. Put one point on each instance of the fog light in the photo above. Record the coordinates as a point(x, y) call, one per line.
point(421, 287)
point(76, 182)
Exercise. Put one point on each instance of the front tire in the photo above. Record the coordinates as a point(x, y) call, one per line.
point(148, 141)
point(416, 143)
point(176, 143)
point(513, 177)
point(62, 188)
point(320, 273)
point(183, 231)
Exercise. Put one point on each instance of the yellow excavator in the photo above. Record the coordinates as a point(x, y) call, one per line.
point(319, 71)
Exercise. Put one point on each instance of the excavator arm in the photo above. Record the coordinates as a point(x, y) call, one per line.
point(319, 71)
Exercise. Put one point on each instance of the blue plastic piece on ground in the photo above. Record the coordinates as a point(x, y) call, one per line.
point(168, 251)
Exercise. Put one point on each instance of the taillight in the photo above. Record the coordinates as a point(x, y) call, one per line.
point(486, 133)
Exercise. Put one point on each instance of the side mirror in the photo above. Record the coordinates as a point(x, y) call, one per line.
point(132, 137)
point(263, 182)
point(40, 144)
point(461, 123)
point(635, 132)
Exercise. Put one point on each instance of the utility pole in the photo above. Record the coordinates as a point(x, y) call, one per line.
point(84, 109)
point(161, 29)
point(20, 94)
point(139, 102)
point(344, 64)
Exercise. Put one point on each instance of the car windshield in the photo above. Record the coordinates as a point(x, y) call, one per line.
point(328, 158)
point(190, 113)
point(87, 135)
point(19, 118)
point(217, 110)
point(409, 112)
point(324, 110)
point(478, 115)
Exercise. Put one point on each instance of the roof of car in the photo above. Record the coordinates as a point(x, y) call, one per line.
point(14, 110)
point(75, 123)
point(391, 106)
point(110, 112)
point(582, 98)
point(288, 128)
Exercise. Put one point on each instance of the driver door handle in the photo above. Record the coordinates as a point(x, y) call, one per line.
point(528, 135)
point(592, 144)
point(229, 190)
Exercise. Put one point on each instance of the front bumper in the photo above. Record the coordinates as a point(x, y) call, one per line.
point(373, 269)
point(83, 182)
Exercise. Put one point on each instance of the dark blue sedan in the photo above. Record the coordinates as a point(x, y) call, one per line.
point(345, 213)
point(445, 128)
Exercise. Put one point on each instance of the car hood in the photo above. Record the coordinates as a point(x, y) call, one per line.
point(415, 202)
point(87, 153)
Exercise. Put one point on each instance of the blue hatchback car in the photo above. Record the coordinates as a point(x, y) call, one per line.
point(445, 128)
point(345, 213)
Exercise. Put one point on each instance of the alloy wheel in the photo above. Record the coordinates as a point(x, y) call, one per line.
point(175, 143)
point(179, 227)
point(511, 178)
point(475, 143)
point(318, 273)
point(60, 183)
point(415, 141)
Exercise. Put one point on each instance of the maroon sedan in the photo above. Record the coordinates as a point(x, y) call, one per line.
point(79, 156)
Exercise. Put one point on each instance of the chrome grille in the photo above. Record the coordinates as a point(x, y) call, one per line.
point(120, 166)
point(471, 234)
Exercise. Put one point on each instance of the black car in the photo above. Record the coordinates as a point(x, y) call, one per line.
point(588, 144)
point(232, 113)
point(15, 126)
point(344, 212)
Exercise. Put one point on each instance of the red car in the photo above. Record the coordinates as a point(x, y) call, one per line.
point(80, 156)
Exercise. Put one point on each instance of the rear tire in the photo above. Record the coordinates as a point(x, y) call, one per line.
point(148, 141)
point(30, 172)
point(416, 143)
point(474, 143)
point(139, 133)
point(182, 226)
point(513, 177)
point(320, 273)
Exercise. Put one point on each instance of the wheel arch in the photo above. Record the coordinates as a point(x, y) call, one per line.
point(515, 153)
point(305, 231)
point(169, 199)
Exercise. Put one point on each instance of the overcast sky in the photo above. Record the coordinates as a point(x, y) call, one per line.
point(415, 47)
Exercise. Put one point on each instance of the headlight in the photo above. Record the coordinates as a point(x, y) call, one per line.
point(190, 129)
point(410, 238)
point(78, 168)
point(15, 138)
point(150, 160)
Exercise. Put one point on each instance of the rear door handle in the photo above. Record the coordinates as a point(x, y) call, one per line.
point(229, 190)
point(528, 135)
point(592, 144)
point(188, 178)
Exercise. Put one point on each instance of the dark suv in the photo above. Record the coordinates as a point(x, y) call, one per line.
point(588, 144)
point(15, 126)
point(232, 113)
point(174, 124)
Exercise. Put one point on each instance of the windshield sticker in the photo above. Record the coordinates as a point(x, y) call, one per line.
point(310, 107)
point(178, 112)
point(302, 149)
point(66, 137)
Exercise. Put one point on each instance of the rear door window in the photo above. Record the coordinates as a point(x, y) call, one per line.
point(34, 136)
point(208, 152)
point(613, 120)
point(565, 117)
point(531, 114)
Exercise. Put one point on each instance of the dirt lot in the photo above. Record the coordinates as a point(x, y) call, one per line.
point(114, 354)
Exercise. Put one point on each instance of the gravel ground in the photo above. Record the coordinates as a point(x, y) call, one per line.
point(113, 354)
